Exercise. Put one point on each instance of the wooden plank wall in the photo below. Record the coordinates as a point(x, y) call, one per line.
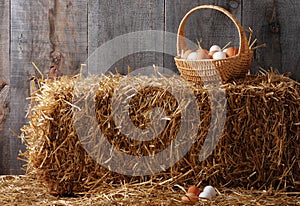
point(4, 78)
point(64, 33)
point(110, 19)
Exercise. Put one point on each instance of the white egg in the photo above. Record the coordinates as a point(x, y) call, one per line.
point(209, 192)
point(219, 55)
point(192, 56)
point(198, 55)
point(215, 48)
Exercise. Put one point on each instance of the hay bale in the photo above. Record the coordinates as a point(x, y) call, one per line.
point(259, 147)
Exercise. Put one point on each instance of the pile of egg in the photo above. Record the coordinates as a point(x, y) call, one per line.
point(194, 194)
point(215, 52)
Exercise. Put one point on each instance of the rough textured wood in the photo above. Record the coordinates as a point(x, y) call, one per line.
point(266, 28)
point(110, 19)
point(277, 24)
point(68, 34)
point(22, 49)
point(289, 21)
point(4, 81)
point(4, 40)
point(4, 103)
point(38, 29)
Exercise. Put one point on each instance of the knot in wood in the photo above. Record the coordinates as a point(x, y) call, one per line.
point(274, 27)
point(56, 57)
point(234, 4)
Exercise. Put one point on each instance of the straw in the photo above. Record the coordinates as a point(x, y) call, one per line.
point(26, 190)
point(259, 147)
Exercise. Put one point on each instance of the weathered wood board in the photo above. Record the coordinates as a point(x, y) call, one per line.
point(68, 34)
point(63, 34)
point(38, 29)
point(4, 80)
point(108, 20)
point(276, 23)
point(25, 48)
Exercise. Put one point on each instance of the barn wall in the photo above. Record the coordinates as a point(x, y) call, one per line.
point(64, 33)
point(4, 80)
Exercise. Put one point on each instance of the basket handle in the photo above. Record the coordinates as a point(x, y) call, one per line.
point(181, 42)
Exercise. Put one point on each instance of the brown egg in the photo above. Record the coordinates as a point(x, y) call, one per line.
point(236, 51)
point(185, 199)
point(198, 55)
point(206, 51)
point(210, 54)
point(189, 198)
point(194, 190)
point(186, 54)
point(230, 51)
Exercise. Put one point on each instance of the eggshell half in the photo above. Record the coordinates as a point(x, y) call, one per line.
point(209, 192)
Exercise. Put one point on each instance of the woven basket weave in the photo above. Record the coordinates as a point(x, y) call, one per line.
point(212, 70)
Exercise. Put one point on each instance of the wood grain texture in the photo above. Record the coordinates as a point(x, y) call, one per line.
point(4, 103)
point(277, 24)
point(289, 21)
point(4, 81)
point(22, 53)
point(68, 33)
point(266, 29)
point(38, 29)
point(110, 19)
point(4, 40)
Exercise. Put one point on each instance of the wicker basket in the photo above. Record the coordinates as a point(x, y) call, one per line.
point(211, 70)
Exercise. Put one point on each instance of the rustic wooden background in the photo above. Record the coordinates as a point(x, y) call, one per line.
point(64, 33)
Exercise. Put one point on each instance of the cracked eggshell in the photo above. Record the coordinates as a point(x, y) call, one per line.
point(189, 198)
point(209, 192)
